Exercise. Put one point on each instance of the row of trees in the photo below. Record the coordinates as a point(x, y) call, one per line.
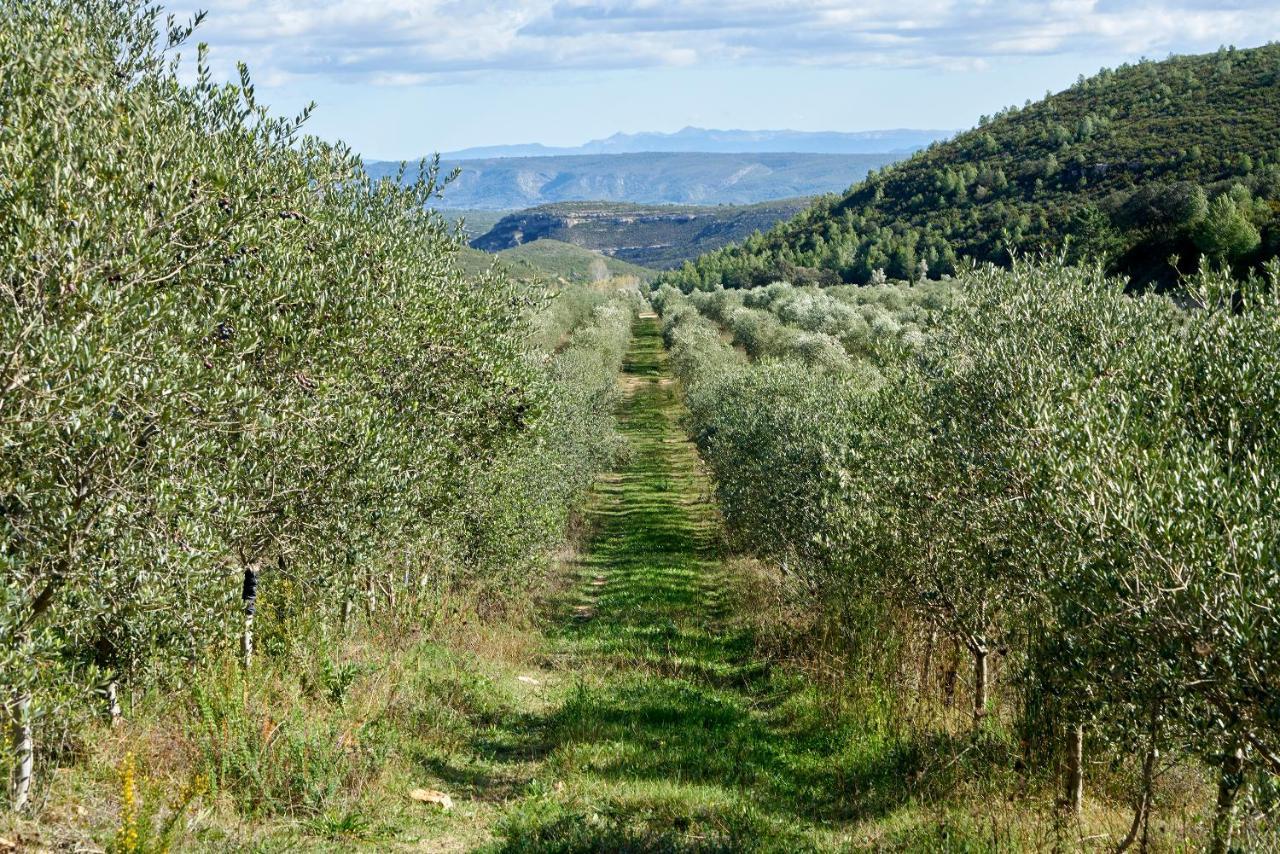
point(239, 379)
point(863, 320)
point(1076, 482)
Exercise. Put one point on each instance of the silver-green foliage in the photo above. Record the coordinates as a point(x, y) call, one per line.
point(223, 348)
point(1079, 477)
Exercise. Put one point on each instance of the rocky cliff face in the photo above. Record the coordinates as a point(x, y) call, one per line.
point(658, 237)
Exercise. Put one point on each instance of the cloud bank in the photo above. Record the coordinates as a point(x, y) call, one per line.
point(403, 42)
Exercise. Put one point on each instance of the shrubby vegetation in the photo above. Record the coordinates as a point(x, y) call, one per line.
point(244, 386)
point(248, 392)
point(1070, 483)
point(1134, 165)
point(817, 323)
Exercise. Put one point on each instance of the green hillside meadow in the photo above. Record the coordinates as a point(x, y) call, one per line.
point(941, 517)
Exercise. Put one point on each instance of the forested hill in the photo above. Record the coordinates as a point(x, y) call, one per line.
point(657, 236)
point(1137, 164)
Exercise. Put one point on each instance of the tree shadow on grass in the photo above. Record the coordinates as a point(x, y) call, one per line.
point(681, 739)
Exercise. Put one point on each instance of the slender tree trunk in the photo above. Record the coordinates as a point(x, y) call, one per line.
point(23, 751)
point(949, 677)
point(1229, 785)
point(371, 595)
point(249, 596)
point(351, 588)
point(246, 640)
point(979, 684)
point(926, 668)
point(1073, 792)
point(113, 703)
point(1143, 808)
point(388, 586)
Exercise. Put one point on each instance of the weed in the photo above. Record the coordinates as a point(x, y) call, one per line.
point(145, 826)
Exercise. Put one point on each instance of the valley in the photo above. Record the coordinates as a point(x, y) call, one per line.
point(689, 490)
point(648, 235)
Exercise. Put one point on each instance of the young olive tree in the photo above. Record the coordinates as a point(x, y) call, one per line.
point(1168, 488)
point(224, 350)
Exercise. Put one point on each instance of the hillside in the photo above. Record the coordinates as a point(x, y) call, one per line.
point(724, 141)
point(551, 260)
point(1137, 164)
point(655, 178)
point(651, 236)
point(474, 223)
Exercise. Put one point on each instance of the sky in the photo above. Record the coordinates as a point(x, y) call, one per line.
point(402, 78)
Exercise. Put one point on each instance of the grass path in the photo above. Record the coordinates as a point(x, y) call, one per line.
point(652, 709)
point(653, 726)
point(640, 715)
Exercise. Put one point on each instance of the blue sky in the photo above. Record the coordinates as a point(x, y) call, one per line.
point(401, 78)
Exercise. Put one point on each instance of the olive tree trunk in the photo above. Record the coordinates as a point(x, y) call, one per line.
point(249, 596)
point(950, 675)
point(113, 703)
point(1142, 810)
point(1073, 795)
point(979, 684)
point(24, 752)
point(926, 667)
point(1229, 785)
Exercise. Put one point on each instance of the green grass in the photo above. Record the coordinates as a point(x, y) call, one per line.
point(640, 714)
point(662, 729)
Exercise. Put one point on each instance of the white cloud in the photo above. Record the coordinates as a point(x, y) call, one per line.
point(397, 42)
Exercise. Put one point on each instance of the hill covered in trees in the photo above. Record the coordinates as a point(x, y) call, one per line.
point(659, 236)
point(1134, 165)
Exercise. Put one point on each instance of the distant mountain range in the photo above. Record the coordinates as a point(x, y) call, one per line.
point(697, 178)
point(691, 139)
